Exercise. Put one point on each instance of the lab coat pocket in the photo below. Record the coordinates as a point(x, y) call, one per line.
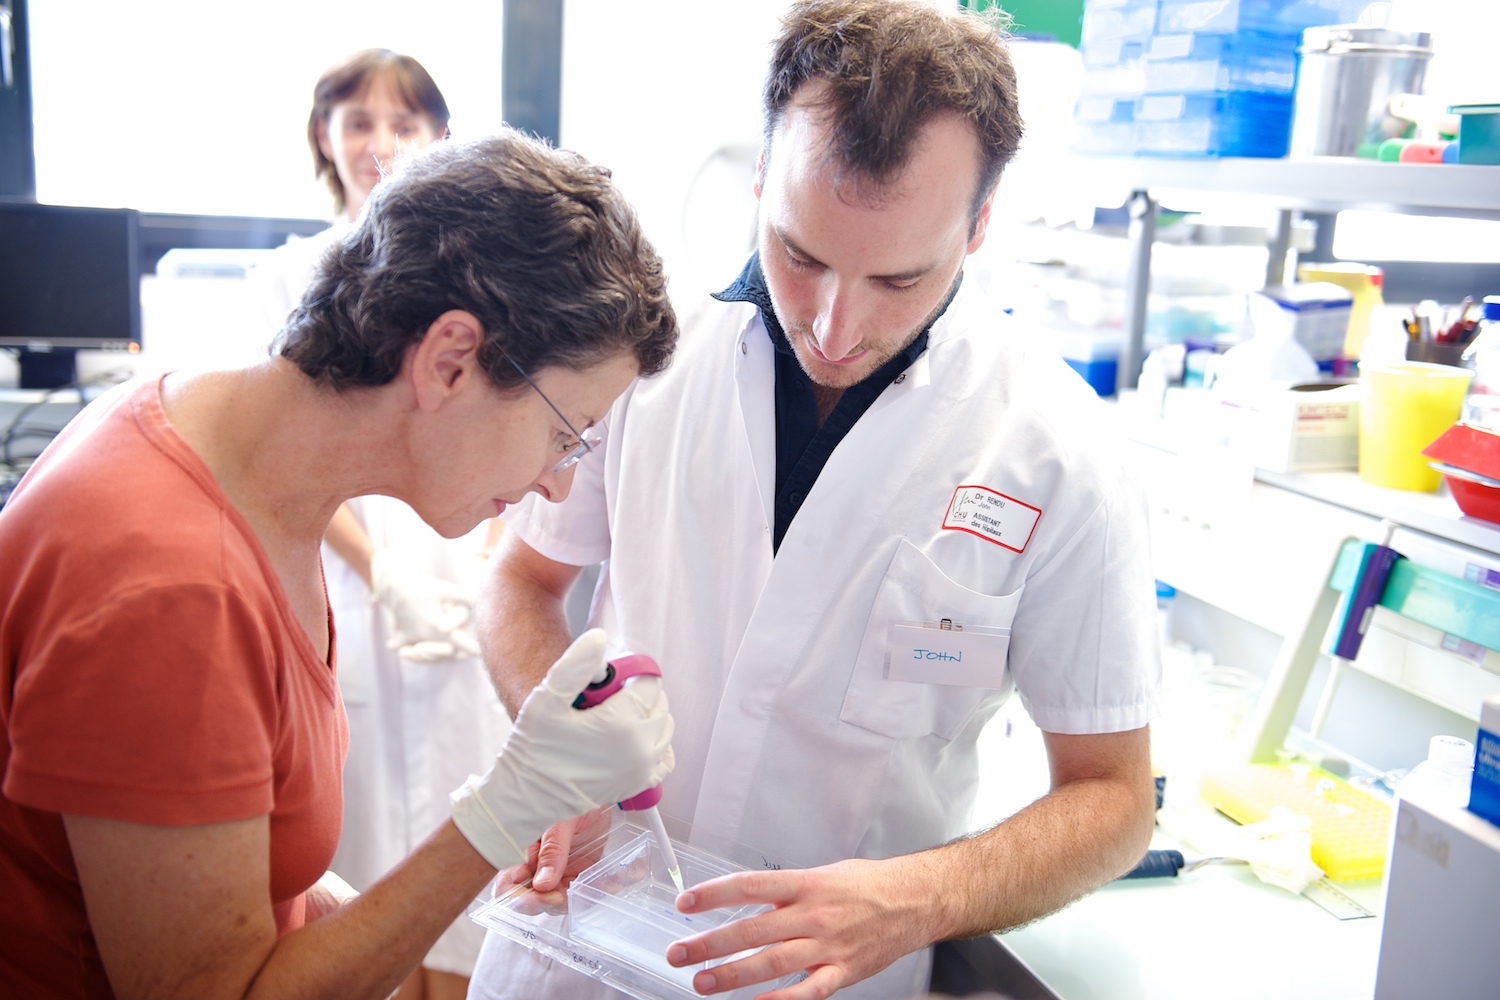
point(915, 590)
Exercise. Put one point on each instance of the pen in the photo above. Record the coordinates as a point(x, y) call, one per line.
point(1453, 332)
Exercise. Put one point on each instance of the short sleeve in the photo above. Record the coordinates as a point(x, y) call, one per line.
point(1087, 658)
point(160, 708)
point(574, 532)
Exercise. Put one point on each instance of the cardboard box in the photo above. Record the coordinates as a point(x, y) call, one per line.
point(1437, 938)
point(1312, 427)
point(1318, 313)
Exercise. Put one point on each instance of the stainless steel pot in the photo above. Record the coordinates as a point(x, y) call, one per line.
point(1345, 81)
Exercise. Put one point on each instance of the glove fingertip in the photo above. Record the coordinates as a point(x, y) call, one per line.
point(578, 665)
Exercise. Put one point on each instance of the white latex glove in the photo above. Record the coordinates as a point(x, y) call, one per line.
point(425, 611)
point(328, 894)
point(461, 645)
point(559, 762)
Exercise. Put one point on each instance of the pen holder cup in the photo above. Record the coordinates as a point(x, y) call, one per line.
point(1405, 408)
point(1437, 354)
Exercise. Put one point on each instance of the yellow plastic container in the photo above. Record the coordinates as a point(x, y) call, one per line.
point(1405, 408)
point(1364, 282)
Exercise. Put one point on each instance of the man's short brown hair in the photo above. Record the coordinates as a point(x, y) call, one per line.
point(887, 68)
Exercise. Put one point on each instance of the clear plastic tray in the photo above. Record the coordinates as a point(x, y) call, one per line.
point(617, 915)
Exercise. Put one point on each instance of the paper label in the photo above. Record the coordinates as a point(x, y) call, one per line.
point(992, 516)
point(947, 652)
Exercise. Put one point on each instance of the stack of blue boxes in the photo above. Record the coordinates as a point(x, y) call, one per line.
point(1193, 77)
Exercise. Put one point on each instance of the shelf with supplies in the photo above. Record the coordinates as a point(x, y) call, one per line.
point(1314, 184)
point(1459, 610)
point(1211, 509)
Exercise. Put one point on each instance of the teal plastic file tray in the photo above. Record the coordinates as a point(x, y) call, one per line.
point(1478, 132)
point(618, 916)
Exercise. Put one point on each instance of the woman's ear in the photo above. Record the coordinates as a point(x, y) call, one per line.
point(446, 360)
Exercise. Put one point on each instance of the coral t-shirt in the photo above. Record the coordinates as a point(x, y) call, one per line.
point(152, 671)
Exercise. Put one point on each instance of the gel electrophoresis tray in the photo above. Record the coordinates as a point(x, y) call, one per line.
point(617, 917)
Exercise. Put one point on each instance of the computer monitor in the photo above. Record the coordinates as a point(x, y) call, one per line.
point(69, 278)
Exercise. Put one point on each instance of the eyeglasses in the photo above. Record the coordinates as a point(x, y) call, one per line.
point(588, 438)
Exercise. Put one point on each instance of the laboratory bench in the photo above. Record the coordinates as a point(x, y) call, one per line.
point(1215, 932)
point(1257, 547)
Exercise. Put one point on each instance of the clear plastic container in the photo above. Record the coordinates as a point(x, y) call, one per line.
point(616, 919)
point(625, 905)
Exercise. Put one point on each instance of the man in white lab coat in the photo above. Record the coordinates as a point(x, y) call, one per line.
point(857, 512)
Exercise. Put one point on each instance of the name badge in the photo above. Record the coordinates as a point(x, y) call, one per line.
point(993, 516)
point(947, 652)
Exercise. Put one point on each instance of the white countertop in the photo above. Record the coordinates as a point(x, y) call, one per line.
point(1216, 932)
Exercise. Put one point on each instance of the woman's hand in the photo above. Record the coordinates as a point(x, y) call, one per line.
point(559, 762)
point(328, 894)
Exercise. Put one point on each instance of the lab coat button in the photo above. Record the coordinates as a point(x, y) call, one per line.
point(744, 347)
point(901, 378)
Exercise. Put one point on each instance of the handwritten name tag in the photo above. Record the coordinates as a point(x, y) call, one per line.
point(948, 653)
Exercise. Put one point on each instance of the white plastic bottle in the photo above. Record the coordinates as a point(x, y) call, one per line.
point(1482, 407)
point(1444, 776)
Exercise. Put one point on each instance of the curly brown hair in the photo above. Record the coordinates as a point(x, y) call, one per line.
point(536, 243)
point(887, 68)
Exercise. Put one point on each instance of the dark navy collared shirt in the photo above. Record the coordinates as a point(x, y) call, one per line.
point(802, 447)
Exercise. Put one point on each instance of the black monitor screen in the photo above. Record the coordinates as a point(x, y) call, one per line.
point(69, 277)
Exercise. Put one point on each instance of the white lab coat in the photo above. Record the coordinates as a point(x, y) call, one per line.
point(790, 738)
point(416, 730)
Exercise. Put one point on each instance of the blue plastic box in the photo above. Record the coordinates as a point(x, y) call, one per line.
point(1094, 354)
point(1104, 126)
point(1223, 123)
point(1111, 20)
point(1275, 17)
point(1484, 792)
point(1196, 62)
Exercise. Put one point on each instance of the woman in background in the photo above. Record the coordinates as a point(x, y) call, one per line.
point(171, 734)
point(423, 715)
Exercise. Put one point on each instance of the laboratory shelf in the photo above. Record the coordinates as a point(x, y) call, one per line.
point(1315, 184)
point(1433, 513)
point(1323, 184)
point(1432, 598)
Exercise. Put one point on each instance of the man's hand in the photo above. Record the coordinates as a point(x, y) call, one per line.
point(847, 921)
point(842, 923)
point(550, 857)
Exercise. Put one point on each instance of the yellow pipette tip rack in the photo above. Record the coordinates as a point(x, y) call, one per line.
point(1350, 827)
